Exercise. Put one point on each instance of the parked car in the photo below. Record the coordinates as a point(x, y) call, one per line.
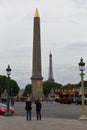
point(66, 101)
point(51, 99)
point(78, 100)
point(3, 109)
point(63, 100)
point(57, 99)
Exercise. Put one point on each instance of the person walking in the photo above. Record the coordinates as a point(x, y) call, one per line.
point(28, 109)
point(38, 109)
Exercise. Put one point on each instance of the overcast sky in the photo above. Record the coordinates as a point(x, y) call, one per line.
point(63, 32)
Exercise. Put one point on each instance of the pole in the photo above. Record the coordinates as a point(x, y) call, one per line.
point(8, 113)
point(83, 114)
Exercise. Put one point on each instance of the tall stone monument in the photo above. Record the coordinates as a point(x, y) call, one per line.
point(37, 91)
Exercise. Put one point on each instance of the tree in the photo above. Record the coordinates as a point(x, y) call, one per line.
point(85, 84)
point(14, 88)
point(68, 86)
point(48, 86)
point(3, 83)
point(28, 90)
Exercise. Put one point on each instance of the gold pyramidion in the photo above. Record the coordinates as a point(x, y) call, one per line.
point(36, 13)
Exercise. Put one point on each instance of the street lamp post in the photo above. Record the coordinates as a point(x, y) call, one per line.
point(82, 68)
point(8, 70)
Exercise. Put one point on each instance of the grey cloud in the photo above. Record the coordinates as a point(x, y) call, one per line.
point(1, 1)
point(80, 3)
point(73, 18)
point(64, 74)
point(80, 45)
point(17, 50)
point(5, 1)
point(22, 75)
point(20, 49)
point(11, 17)
point(60, 74)
point(19, 58)
point(27, 17)
point(15, 17)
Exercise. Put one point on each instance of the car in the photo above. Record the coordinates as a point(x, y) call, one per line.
point(3, 109)
point(66, 101)
point(50, 99)
point(78, 100)
point(57, 99)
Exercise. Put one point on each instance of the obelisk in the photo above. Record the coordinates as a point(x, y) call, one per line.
point(36, 78)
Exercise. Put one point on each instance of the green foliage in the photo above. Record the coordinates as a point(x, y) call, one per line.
point(3, 83)
point(71, 86)
point(68, 86)
point(85, 84)
point(47, 86)
point(27, 91)
point(14, 88)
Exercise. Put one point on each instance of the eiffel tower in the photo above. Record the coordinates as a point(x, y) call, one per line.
point(50, 77)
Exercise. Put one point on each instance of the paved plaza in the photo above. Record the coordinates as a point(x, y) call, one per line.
point(52, 110)
point(54, 117)
point(20, 123)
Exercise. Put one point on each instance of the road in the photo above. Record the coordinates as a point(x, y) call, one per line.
point(51, 110)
